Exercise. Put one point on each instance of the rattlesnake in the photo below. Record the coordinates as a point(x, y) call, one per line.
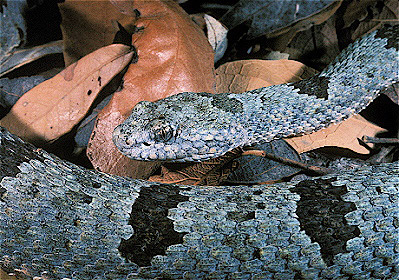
point(58, 220)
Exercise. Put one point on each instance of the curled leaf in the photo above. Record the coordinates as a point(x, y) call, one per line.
point(173, 56)
point(210, 172)
point(55, 106)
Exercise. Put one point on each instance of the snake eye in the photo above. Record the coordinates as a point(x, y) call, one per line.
point(163, 134)
point(160, 130)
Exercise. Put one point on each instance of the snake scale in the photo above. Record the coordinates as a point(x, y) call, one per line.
point(61, 221)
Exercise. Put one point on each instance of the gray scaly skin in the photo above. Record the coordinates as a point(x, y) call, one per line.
point(199, 126)
point(58, 220)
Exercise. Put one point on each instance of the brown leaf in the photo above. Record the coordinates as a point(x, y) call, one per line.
point(174, 56)
point(87, 26)
point(272, 18)
point(210, 172)
point(4, 276)
point(344, 135)
point(55, 106)
point(315, 19)
point(242, 75)
point(359, 11)
point(389, 12)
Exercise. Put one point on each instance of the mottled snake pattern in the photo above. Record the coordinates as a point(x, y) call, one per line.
point(61, 221)
point(198, 126)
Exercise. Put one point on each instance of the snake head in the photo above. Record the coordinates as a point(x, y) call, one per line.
point(183, 127)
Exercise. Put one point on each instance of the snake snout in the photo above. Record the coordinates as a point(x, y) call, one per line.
point(122, 139)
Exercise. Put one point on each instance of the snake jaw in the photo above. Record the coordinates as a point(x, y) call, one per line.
point(162, 141)
point(172, 130)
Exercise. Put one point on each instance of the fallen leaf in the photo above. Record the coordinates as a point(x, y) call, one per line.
point(22, 57)
point(211, 172)
point(316, 47)
point(87, 26)
point(85, 128)
point(12, 20)
point(272, 18)
point(12, 89)
point(343, 135)
point(173, 56)
point(55, 106)
point(358, 11)
point(217, 36)
point(378, 13)
point(242, 75)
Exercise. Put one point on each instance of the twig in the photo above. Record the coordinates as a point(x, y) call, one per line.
point(380, 157)
point(316, 169)
point(376, 140)
point(385, 20)
point(364, 144)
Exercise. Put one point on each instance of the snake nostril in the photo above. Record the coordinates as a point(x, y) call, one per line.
point(146, 144)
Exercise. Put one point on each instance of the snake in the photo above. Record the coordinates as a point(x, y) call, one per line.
point(62, 221)
point(199, 126)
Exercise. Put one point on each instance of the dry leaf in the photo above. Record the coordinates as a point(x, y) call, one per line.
point(87, 26)
point(4, 276)
point(217, 36)
point(55, 106)
point(210, 172)
point(344, 135)
point(316, 47)
point(19, 58)
point(358, 11)
point(272, 18)
point(174, 56)
point(242, 75)
point(380, 12)
point(254, 168)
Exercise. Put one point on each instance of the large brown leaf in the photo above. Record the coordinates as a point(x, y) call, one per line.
point(173, 56)
point(87, 26)
point(55, 106)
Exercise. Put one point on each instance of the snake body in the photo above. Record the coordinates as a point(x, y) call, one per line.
point(58, 220)
point(198, 126)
